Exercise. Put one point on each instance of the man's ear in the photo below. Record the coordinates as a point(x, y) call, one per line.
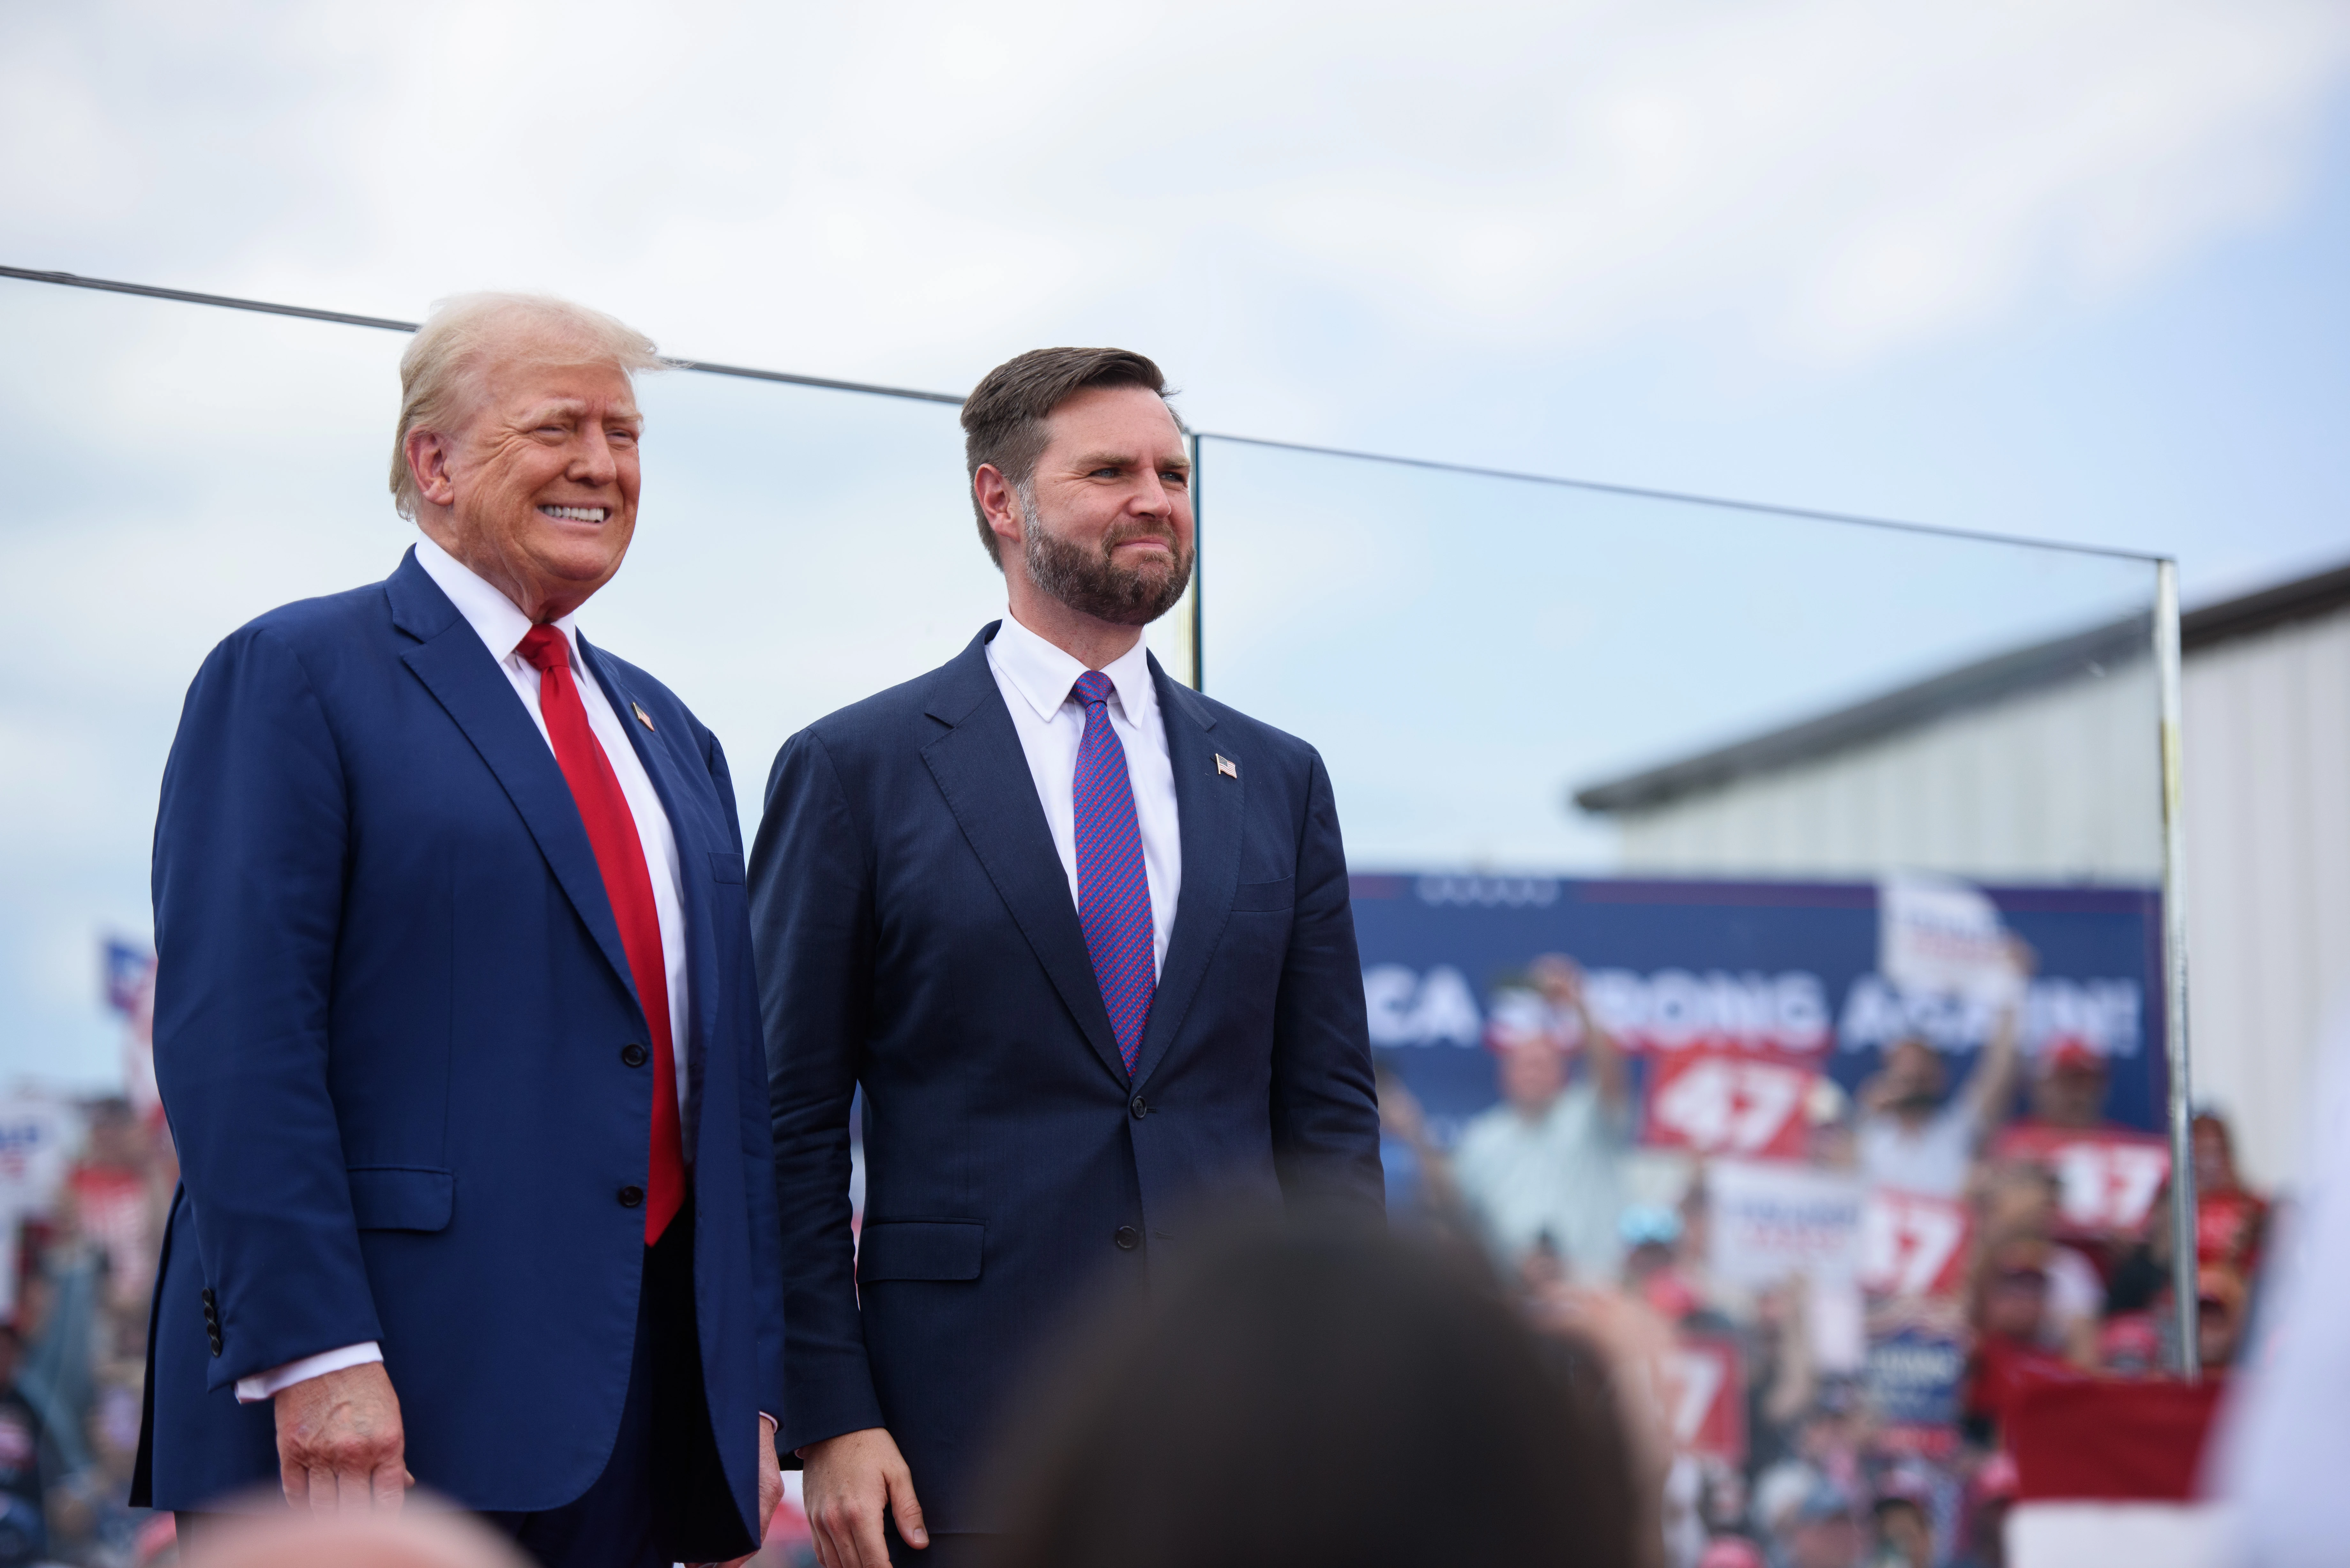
point(428, 461)
point(999, 503)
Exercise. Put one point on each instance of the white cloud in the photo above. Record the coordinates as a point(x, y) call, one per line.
point(912, 187)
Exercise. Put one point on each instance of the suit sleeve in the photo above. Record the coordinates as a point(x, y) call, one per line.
point(250, 842)
point(1325, 1114)
point(812, 927)
point(758, 1159)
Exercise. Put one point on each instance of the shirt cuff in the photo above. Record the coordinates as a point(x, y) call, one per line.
point(264, 1385)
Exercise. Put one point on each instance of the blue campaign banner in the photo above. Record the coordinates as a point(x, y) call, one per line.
point(1913, 1377)
point(1785, 968)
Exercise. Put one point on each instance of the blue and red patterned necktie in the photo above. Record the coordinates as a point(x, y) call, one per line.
point(1113, 888)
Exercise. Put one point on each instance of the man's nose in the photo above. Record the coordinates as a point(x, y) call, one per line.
point(1155, 499)
point(593, 461)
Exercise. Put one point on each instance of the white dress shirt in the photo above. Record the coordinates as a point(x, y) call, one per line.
point(1035, 679)
point(502, 628)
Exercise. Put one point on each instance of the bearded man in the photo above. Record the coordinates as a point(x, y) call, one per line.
point(1081, 936)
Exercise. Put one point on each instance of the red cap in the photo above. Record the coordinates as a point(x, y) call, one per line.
point(2070, 1053)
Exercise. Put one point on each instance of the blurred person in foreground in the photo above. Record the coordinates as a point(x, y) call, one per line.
point(422, 1538)
point(1083, 938)
point(456, 1020)
point(1915, 1138)
point(2283, 1444)
point(1543, 1170)
point(1295, 1401)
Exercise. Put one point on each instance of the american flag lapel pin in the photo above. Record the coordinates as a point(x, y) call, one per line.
point(1226, 766)
point(643, 717)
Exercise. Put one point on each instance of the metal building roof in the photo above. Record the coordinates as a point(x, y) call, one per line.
point(1974, 685)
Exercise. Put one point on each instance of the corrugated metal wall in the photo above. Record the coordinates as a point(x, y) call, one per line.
point(2268, 857)
point(2058, 784)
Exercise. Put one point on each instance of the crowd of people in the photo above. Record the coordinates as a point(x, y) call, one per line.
point(1815, 1454)
point(1866, 1413)
point(89, 1185)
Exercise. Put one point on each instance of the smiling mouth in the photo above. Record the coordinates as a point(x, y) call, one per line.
point(575, 513)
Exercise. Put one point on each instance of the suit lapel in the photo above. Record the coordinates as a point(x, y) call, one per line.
point(1209, 808)
point(983, 774)
point(460, 674)
point(656, 751)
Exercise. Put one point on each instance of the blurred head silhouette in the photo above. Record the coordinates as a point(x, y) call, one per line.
point(1303, 1399)
point(416, 1537)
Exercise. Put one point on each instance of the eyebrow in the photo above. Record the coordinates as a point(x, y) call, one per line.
point(574, 407)
point(1092, 461)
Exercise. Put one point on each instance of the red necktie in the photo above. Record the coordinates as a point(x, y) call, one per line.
point(620, 856)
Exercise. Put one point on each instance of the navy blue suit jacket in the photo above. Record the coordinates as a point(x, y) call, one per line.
point(390, 1017)
point(916, 936)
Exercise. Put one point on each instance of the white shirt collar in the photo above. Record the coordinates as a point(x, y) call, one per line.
point(486, 609)
point(1043, 674)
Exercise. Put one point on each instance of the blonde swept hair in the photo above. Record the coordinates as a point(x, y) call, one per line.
point(441, 372)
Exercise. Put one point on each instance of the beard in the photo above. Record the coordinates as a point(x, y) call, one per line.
point(1090, 581)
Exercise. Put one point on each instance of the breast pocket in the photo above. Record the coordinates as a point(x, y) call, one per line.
point(1266, 895)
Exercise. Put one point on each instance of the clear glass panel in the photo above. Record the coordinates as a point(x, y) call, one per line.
point(1686, 746)
point(176, 470)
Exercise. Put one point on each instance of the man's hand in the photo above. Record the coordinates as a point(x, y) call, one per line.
point(340, 1447)
point(851, 1480)
point(771, 1487)
point(770, 1478)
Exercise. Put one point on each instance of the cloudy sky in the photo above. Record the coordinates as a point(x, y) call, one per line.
point(2067, 269)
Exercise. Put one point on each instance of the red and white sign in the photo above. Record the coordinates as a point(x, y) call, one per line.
point(1912, 1245)
point(1738, 1105)
point(1770, 1220)
point(2107, 1177)
point(1705, 1398)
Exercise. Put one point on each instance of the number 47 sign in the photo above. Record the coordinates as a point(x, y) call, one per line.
point(1912, 1245)
point(1714, 1104)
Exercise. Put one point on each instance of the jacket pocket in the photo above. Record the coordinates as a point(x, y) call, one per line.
point(1280, 895)
point(726, 866)
point(918, 1250)
point(402, 1197)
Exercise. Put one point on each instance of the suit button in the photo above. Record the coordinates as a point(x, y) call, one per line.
point(1127, 1238)
point(215, 1340)
point(1140, 1109)
point(631, 1196)
point(633, 1056)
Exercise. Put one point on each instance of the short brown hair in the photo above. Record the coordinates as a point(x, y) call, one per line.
point(1004, 417)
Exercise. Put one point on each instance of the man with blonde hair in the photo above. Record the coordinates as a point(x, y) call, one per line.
point(455, 1021)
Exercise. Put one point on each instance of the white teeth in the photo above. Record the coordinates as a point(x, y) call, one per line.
point(575, 513)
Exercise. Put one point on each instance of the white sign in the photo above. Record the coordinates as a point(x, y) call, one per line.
point(1941, 936)
point(1770, 1220)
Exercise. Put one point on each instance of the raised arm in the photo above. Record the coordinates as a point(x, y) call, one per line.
point(1990, 1089)
point(1560, 980)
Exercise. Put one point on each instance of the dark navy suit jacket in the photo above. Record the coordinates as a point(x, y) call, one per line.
point(916, 936)
point(389, 1018)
